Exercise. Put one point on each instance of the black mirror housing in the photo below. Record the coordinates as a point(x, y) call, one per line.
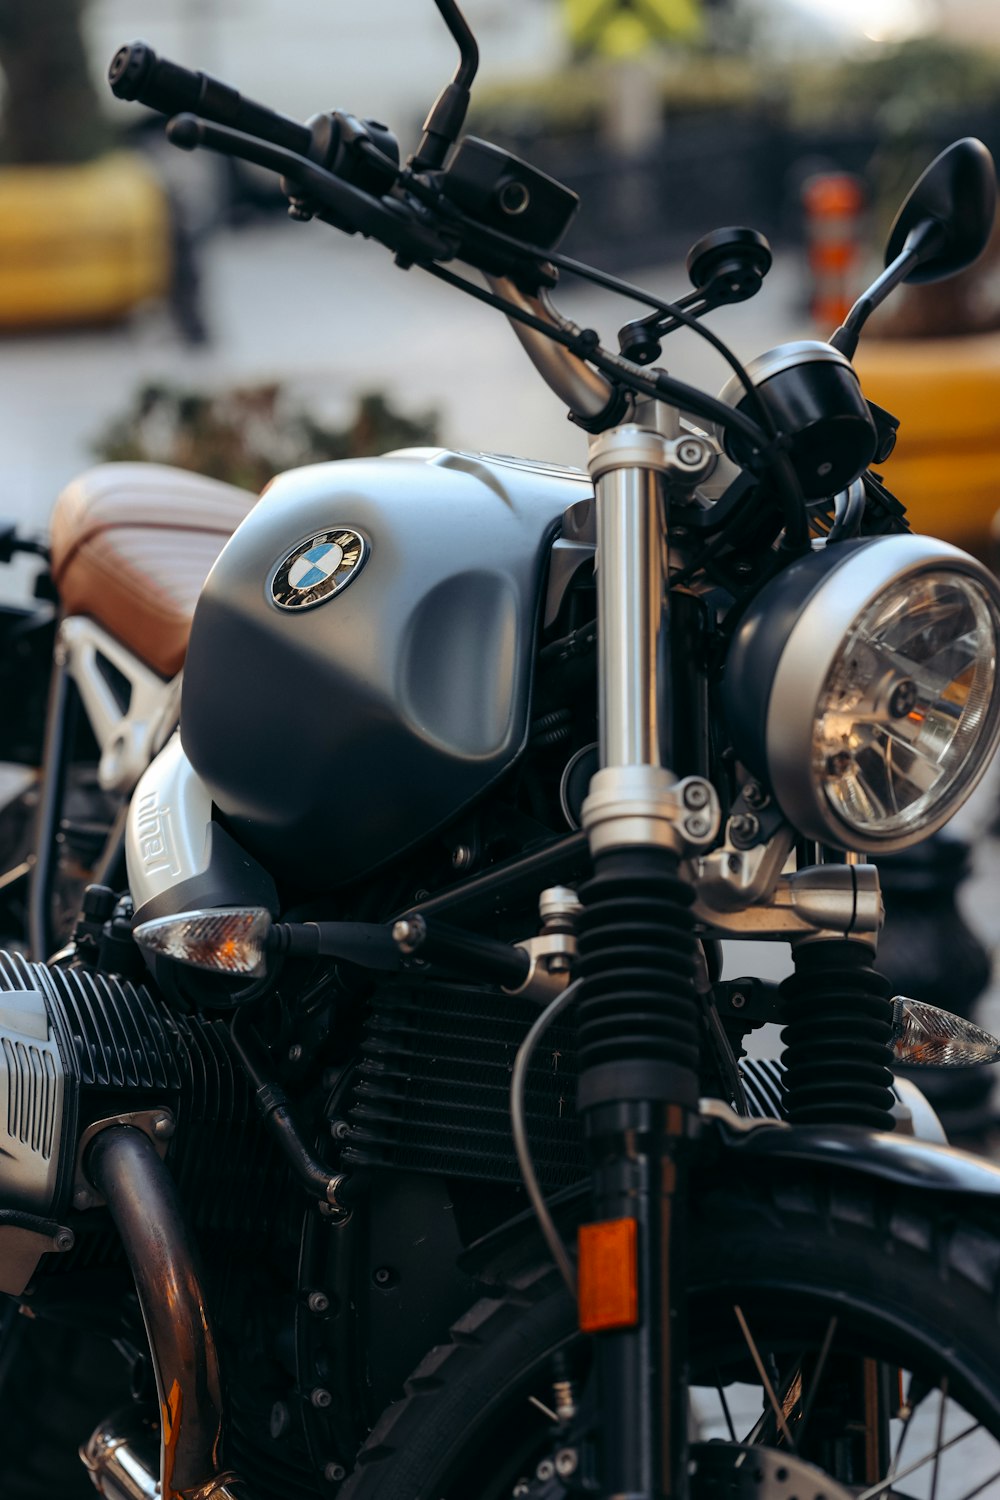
point(957, 195)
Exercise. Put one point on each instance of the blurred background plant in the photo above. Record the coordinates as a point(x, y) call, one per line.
point(247, 435)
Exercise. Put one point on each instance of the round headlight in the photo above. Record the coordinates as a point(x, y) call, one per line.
point(862, 686)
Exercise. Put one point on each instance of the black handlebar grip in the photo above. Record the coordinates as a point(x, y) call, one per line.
point(137, 73)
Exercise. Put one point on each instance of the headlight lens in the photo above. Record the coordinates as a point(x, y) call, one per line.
point(863, 686)
point(905, 704)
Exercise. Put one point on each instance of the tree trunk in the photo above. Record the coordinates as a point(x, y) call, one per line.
point(50, 108)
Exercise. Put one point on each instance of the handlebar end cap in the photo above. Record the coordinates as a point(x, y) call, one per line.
point(130, 68)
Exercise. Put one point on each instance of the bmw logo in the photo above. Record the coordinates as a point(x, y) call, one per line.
point(317, 569)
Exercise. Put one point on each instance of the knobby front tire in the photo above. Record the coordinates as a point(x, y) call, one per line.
point(871, 1271)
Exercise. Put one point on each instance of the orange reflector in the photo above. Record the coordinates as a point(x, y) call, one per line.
point(608, 1276)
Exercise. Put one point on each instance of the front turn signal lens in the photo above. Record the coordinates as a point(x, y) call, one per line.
point(231, 940)
point(926, 1036)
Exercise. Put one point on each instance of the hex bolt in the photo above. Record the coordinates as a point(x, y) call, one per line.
point(340, 1129)
point(566, 1462)
point(320, 1397)
point(744, 828)
point(755, 796)
point(691, 452)
point(408, 933)
point(696, 794)
point(63, 1240)
point(163, 1126)
point(545, 1469)
point(334, 1473)
point(318, 1303)
point(737, 1001)
point(295, 1052)
point(697, 826)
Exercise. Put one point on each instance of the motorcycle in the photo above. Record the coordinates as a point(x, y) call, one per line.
point(478, 761)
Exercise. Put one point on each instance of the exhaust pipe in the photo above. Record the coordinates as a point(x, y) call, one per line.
point(125, 1168)
point(123, 1457)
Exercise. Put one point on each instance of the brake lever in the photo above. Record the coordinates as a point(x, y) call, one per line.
point(348, 208)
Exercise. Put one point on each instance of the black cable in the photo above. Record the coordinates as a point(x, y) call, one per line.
point(673, 310)
point(659, 384)
point(603, 279)
point(586, 348)
point(519, 1130)
point(189, 132)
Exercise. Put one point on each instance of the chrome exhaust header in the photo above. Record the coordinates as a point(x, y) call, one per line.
point(124, 1166)
point(122, 1456)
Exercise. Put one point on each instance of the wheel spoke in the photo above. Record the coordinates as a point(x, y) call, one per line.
point(824, 1352)
point(545, 1410)
point(726, 1413)
point(765, 1378)
point(890, 1477)
point(970, 1494)
point(881, 1488)
point(940, 1434)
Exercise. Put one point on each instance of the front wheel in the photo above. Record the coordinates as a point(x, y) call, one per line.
point(847, 1324)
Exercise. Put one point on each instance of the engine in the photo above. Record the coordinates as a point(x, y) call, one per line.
point(78, 1049)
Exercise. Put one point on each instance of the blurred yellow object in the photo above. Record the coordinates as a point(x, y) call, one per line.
point(81, 244)
point(624, 28)
point(946, 465)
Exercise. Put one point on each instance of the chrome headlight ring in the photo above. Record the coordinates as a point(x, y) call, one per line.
point(862, 685)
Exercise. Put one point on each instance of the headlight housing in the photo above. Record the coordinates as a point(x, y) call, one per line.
point(862, 686)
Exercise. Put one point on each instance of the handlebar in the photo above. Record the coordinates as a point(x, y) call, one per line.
point(359, 188)
point(137, 73)
point(349, 208)
point(585, 392)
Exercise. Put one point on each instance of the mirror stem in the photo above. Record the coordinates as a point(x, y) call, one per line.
point(922, 240)
point(448, 111)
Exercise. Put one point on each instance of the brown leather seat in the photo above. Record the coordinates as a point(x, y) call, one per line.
point(133, 543)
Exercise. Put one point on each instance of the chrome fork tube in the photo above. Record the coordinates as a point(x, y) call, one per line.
point(627, 465)
point(631, 613)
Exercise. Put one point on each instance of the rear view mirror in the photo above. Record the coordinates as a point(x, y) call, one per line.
point(956, 198)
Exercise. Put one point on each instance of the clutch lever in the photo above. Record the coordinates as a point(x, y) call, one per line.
point(390, 221)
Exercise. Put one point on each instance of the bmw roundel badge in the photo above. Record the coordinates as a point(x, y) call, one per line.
point(318, 568)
